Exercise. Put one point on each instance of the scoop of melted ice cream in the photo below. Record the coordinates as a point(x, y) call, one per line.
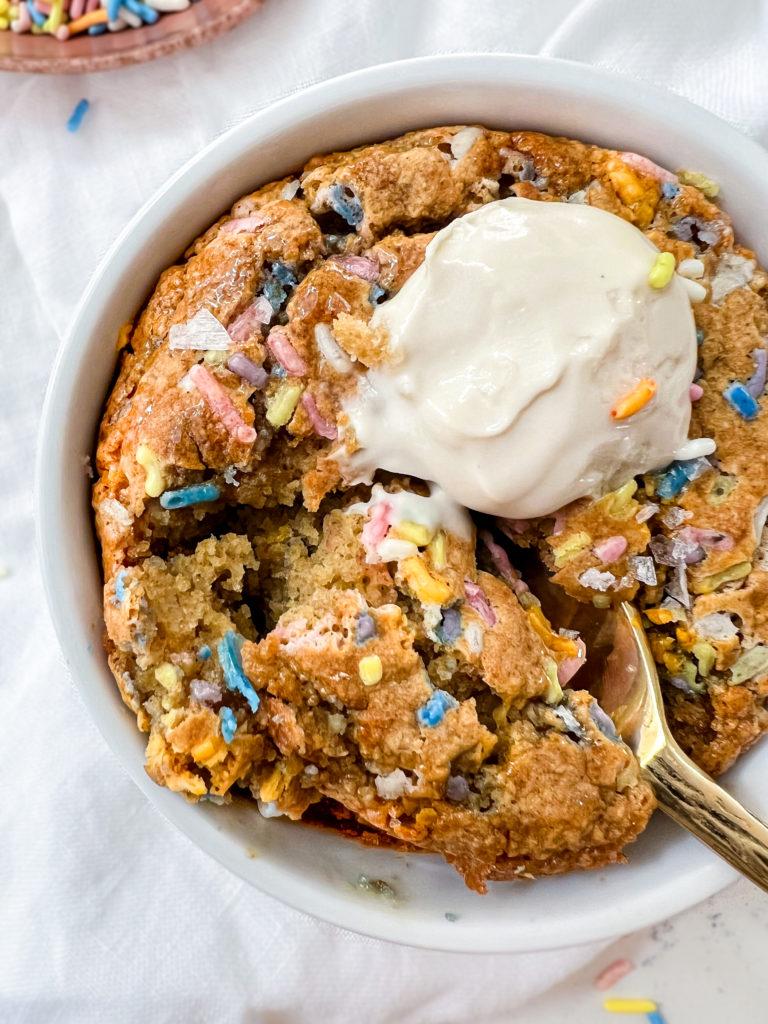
point(510, 345)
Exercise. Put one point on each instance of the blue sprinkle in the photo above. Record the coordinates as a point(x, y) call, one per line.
point(283, 273)
point(37, 16)
point(343, 201)
point(433, 712)
point(654, 1017)
point(678, 474)
point(365, 629)
point(77, 115)
point(699, 336)
point(274, 293)
point(669, 190)
point(204, 653)
point(228, 723)
point(186, 496)
point(113, 9)
point(737, 396)
point(603, 722)
point(376, 294)
point(147, 14)
point(121, 591)
point(229, 659)
point(449, 630)
point(97, 30)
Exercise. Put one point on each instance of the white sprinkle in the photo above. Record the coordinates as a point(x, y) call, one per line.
point(311, 769)
point(698, 448)
point(394, 550)
point(691, 268)
point(290, 189)
point(463, 141)
point(330, 349)
point(696, 292)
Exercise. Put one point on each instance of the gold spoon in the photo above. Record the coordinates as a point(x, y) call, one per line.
point(621, 674)
point(628, 690)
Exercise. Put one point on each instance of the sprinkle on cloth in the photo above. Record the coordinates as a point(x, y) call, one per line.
point(229, 658)
point(68, 18)
point(77, 115)
point(433, 712)
point(614, 972)
point(196, 494)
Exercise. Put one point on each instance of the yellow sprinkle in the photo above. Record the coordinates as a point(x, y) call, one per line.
point(370, 669)
point(619, 503)
point(214, 357)
point(417, 533)
point(662, 270)
point(553, 693)
point(659, 616)
point(437, 550)
point(634, 400)
point(700, 181)
point(168, 675)
point(154, 484)
point(281, 405)
point(629, 1005)
point(428, 587)
point(570, 547)
point(710, 583)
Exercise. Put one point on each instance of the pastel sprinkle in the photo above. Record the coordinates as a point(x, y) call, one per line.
point(282, 349)
point(147, 14)
point(634, 400)
point(629, 1005)
point(654, 1017)
point(695, 392)
point(247, 369)
point(433, 712)
point(154, 484)
point(669, 190)
point(708, 186)
point(257, 315)
point(221, 405)
point(739, 399)
point(204, 653)
point(365, 628)
point(37, 17)
point(121, 591)
point(342, 200)
point(611, 549)
point(614, 972)
point(646, 166)
point(449, 630)
point(282, 404)
point(360, 266)
point(195, 494)
point(228, 724)
point(662, 270)
point(321, 426)
point(228, 650)
point(756, 383)
point(476, 599)
point(370, 669)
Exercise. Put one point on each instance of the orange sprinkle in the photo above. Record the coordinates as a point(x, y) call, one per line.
point(97, 17)
point(634, 400)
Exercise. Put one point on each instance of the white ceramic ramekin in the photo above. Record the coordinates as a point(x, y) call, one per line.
point(314, 871)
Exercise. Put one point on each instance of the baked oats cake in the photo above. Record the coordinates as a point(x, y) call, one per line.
point(367, 653)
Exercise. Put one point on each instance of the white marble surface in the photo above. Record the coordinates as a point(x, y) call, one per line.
point(702, 967)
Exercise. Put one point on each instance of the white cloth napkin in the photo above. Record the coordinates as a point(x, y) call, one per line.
point(107, 912)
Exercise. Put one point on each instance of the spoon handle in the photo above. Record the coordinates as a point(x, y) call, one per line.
point(694, 800)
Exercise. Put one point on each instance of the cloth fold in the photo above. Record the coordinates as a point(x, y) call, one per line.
point(108, 912)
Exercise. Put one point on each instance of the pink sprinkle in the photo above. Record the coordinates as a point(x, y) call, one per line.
point(243, 224)
point(23, 21)
point(285, 353)
point(568, 668)
point(250, 320)
point(646, 512)
point(500, 558)
point(695, 392)
point(613, 972)
point(360, 266)
point(510, 527)
point(375, 529)
point(221, 405)
point(320, 424)
point(646, 166)
point(610, 550)
point(712, 539)
point(476, 599)
point(76, 9)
